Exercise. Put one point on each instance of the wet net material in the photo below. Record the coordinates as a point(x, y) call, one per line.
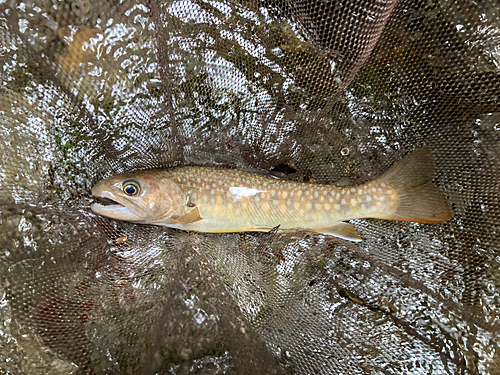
point(317, 91)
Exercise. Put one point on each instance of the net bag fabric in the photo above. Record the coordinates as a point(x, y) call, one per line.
point(317, 91)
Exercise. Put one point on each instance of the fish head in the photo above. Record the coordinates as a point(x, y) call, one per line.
point(141, 197)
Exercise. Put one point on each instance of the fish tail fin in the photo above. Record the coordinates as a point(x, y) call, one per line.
point(419, 199)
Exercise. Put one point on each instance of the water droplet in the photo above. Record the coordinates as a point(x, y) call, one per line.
point(189, 303)
point(200, 316)
point(344, 151)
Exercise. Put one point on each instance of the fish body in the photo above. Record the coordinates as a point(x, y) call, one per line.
point(214, 200)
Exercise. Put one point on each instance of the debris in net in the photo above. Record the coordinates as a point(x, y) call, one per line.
point(122, 240)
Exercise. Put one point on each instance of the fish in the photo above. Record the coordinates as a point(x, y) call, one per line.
point(216, 200)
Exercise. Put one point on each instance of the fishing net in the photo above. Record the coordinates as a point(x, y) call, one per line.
point(316, 91)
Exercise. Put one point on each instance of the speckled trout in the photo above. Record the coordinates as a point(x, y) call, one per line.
point(223, 200)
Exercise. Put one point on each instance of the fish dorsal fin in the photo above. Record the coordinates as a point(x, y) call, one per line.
point(347, 231)
point(191, 217)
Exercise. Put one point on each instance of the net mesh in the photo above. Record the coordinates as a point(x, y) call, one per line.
point(318, 91)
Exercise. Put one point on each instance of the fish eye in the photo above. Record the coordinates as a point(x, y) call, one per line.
point(131, 187)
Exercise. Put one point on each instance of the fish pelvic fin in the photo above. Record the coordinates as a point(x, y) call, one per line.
point(419, 200)
point(347, 231)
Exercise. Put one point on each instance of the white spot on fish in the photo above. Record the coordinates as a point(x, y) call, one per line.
point(368, 198)
point(316, 194)
point(239, 192)
point(307, 192)
point(363, 207)
point(343, 201)
point(299, 193)
point(336, 206)
point(353, 201)
point(220, 182)
point(292, 193)
point(353, 190)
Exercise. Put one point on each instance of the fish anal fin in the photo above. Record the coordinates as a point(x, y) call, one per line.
point(191, 217)
point(262, 228)
point(347, 231)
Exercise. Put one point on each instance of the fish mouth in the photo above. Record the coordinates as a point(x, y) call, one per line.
point(113, 207)
point(105, 201)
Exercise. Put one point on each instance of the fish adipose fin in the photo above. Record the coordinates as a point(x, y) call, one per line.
point(419, 199)
point(192, 217)
point(347, 231)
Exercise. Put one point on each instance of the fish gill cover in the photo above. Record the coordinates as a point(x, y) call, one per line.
point(318, 91)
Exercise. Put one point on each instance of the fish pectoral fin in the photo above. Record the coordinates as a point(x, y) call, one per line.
point(191, 217)
point(347, 231)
